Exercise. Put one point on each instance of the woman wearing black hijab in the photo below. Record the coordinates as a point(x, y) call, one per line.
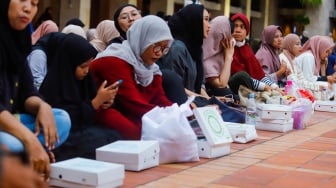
point(124, 17)
point(18, 95)
point(68, 85)
point(188, 26)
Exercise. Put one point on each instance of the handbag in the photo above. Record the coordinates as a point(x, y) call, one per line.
point(170, 126)
point(230, 113)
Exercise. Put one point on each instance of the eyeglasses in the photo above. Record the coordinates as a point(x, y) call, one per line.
point(163, 50)
point(127, 16)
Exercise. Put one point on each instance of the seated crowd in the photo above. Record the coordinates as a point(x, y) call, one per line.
point(61, 94)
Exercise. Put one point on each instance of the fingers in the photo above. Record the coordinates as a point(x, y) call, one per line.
point(41, 166)
point(103, 84)
point(37, 128)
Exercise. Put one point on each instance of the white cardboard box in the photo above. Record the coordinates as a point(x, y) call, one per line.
point(274, 111)
point(86, 173)
point(325, 106)
point(135, 155)
point(242, 133)
point(205, 150)
point(276, 125)
point(217, 140)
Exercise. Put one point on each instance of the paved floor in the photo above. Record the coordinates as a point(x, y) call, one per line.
point(299, 158)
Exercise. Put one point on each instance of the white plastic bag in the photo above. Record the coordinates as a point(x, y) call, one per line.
point(170, 126)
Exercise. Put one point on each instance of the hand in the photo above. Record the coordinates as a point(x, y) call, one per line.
point(45, 121)
point(288, 72)
point(332, 78)
point(279, 90)
point(15, 174)
point(267, 88)
point(107, 94)
point(228, 47)
point(106, 104)
point(283, 68)
point(38, 157)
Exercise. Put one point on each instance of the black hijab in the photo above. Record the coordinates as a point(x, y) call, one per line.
point(49, 44)
point(14, 45)
point(116, 22)
point(186, 25)
point(60, 86)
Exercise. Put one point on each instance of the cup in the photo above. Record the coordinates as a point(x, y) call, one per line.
point(298, 118)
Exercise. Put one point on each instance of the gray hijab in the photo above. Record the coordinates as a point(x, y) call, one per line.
point(143, 33)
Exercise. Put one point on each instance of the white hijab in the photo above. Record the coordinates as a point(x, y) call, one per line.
point(143, 33)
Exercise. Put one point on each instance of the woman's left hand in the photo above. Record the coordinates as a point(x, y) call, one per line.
point(45, 122)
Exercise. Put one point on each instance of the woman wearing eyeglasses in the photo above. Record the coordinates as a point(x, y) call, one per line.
point(133, 61)
point(188, 26)
point(124, 17)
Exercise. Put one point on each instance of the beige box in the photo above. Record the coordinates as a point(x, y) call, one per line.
point(136, 155)
point(86, 173)
point(241, 133)
point(276, 125)
point(274, 111)
point(325, 106)
point(217, 141)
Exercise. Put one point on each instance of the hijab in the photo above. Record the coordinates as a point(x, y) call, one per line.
point(212, 47)
point(267, 54)
point(243, 56)
point(15, 45)
point(287, 46)
point(49, 44)
point(116, 18)
point(317, 45)
point(45, 28)
point(186, 25)
point(60, 85)
point(143, 33)
point(243, 18)
point(105, 32)
point(74, 29)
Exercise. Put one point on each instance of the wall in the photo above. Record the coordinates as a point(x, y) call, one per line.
point(68, 9)
point(320, 25)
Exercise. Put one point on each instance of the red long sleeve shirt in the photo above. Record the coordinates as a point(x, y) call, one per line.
point(132, 100)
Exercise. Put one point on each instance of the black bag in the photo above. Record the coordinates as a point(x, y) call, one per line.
point(230, 113)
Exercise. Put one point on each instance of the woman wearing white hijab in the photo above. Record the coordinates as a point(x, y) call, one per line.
point(133, 61)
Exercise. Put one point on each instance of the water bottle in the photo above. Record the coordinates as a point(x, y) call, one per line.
point(251, 110)
point(289, 87)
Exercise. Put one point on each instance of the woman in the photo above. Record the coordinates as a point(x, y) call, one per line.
point(218, 49)
point(291, 48)
point(188, 26)
point(268, 55)
point(244, 58)
point(133, 61)
point(44, 49)
point(315, 49)
point(74, 29)
point(46, 27)
point(123, 18)
point(105, 32)
point(18, 95)
point(69, 85)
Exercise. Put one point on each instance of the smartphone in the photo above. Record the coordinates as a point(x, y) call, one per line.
point(119, 82)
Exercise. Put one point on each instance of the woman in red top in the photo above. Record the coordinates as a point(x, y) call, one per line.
point(133, 61)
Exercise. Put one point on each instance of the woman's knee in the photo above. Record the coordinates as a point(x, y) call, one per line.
point(63, 123)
